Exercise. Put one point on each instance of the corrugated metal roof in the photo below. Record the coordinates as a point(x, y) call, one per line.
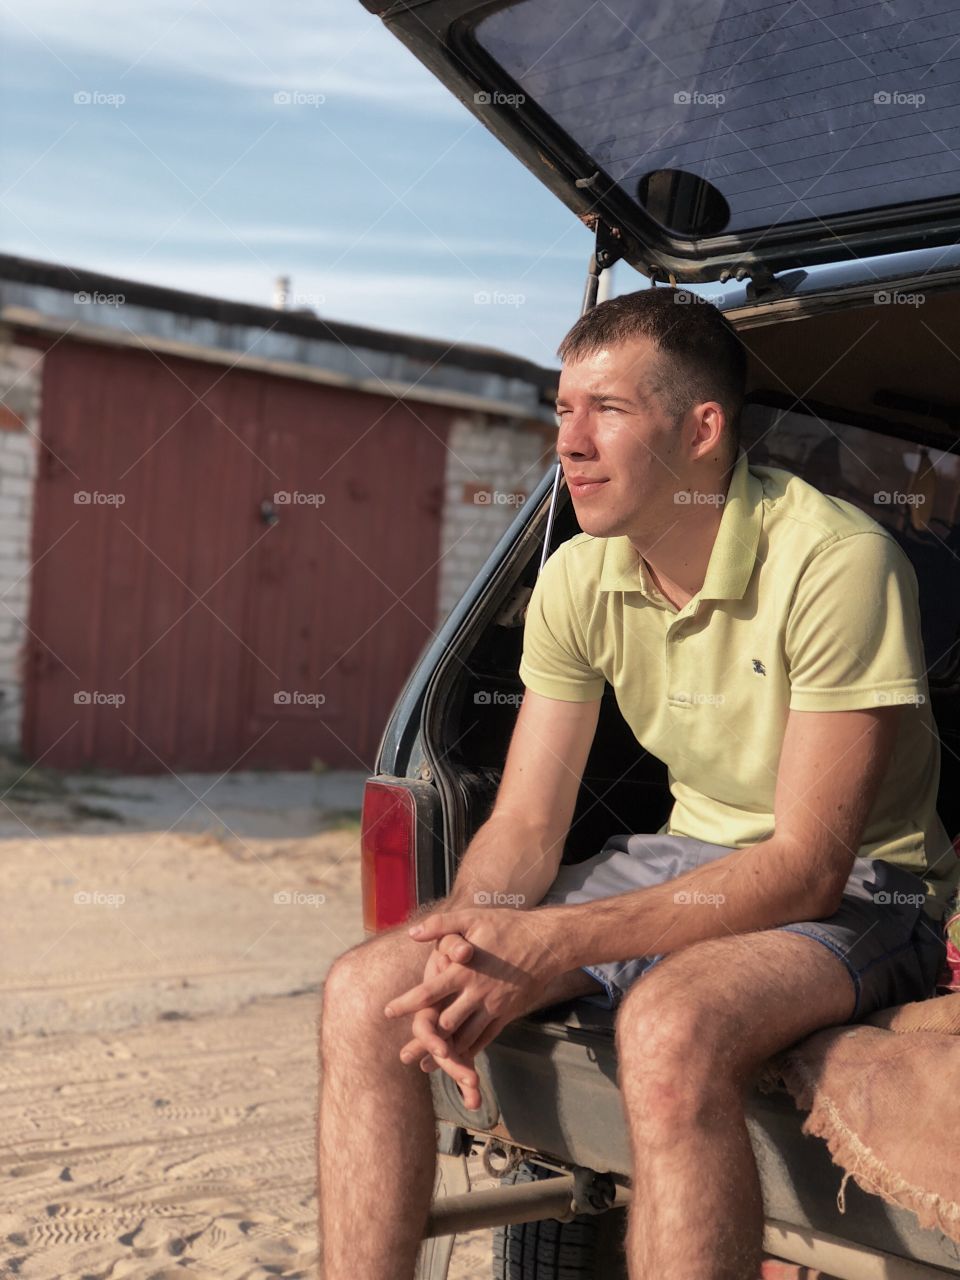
point(51, 297)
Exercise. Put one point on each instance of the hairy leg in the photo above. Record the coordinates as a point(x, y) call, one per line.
point(691, 1035)
point(376, 1144)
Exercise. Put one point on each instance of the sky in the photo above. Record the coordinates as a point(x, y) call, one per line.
point(214, 146)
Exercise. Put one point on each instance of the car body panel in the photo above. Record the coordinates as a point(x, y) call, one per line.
point(540, 1082)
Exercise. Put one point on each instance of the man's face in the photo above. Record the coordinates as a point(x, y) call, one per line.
point(615, 429)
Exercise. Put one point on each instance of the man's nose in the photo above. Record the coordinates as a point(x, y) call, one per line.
point(574, 438)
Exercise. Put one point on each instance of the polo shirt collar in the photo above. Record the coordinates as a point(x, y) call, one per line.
point(732, 559)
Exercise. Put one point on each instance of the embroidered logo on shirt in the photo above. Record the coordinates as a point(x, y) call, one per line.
point(758, 668)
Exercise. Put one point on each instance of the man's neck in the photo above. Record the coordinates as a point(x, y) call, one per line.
point(675, 594)
point(677, 560)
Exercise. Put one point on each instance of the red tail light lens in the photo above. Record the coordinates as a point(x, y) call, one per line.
point(387, 847)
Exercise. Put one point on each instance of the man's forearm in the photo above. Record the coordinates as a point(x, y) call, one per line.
point(506, 864)
point(750, 889)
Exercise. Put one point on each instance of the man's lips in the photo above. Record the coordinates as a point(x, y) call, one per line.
point(583, 486)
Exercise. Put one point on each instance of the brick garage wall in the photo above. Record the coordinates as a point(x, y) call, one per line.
point(20, 379)
point(492, 466)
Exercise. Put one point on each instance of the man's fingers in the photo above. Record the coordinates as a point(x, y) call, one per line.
point(425, 994)
point(441, 922)
point(460, 1069)
point(425, 1030)
point(490, 1032)
point(412, 1051)
point(469, 1032)
point(469, 1091)
point(425, 1037)
point(457, 1065)
point(454, 947)
point(456, 1013)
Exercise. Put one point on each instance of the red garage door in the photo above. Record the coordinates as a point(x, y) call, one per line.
point(230, 569)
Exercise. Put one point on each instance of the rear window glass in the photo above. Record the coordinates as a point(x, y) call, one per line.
point(912, 490)
point(791, 111)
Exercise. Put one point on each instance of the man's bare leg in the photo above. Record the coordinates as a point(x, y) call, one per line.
point(691, 1035)
point(376, 1136)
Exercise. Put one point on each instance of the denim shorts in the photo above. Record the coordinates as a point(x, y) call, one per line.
point(892, 949)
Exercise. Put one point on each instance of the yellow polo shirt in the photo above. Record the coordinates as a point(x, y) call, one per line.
point(807, 603)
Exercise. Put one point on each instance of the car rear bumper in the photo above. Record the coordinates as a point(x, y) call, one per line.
point(551, 1088)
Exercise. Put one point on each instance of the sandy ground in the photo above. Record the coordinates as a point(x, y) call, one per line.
point(163, 947)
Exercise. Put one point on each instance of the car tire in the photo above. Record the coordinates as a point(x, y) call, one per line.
point(589, 1247)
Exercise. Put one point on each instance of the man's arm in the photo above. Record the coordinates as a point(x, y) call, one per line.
point(831, 765)
point(513, 858)
point(830, 768)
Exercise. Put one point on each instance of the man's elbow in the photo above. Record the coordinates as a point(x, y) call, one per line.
point(818, 883)
point(824, 888)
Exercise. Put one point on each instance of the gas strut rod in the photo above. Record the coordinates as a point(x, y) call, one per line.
point(606, 252)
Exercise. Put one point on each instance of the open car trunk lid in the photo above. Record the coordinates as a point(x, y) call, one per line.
point(718, 138)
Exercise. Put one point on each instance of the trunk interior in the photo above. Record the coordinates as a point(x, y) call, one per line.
point(860, 402)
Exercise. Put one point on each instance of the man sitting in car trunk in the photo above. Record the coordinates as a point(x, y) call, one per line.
point(762, 639)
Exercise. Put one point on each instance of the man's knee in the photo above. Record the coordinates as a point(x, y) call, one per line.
point(363, 979)
point(672, 1060)
point(655, 1034)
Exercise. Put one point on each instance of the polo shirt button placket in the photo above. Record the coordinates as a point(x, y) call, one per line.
point(680, 695)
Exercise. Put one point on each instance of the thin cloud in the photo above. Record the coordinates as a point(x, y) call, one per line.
point(200, 231)
point(293, 45)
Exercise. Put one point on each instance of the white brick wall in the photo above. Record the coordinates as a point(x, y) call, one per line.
point(492, 466)
point(20, 378)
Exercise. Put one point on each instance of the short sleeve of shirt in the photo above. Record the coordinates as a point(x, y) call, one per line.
point(853, 635)
point(553, 662)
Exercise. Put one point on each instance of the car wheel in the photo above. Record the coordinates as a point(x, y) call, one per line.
point(589, 1247)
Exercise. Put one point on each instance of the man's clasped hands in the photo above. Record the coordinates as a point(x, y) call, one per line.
point(486, 967)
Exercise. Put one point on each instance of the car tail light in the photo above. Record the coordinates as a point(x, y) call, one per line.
point(387, 851)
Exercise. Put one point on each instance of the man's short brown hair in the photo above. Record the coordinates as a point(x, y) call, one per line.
point(703, 358)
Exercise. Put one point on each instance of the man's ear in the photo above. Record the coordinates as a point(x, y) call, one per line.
point(708, 427)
